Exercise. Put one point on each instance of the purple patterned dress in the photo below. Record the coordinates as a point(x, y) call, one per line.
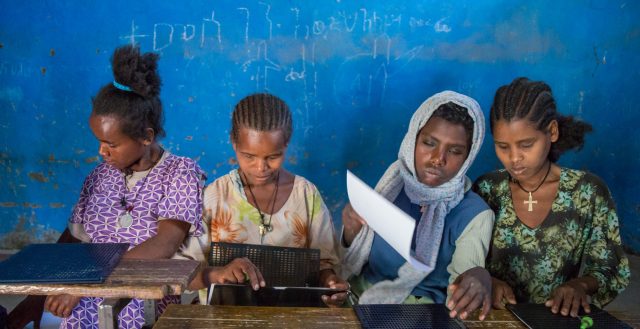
point(172, 189)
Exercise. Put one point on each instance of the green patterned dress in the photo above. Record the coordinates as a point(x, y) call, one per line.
point(581, 231)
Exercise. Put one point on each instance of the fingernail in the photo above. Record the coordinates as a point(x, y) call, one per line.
point(453, 314)
point(463, 315)
point(450, 305)
point(256, 287)
point(481, 317)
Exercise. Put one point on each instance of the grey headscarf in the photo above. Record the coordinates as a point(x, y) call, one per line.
point(438, 200)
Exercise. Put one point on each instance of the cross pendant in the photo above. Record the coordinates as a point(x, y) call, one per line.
point(530, 202)
point(261, 228)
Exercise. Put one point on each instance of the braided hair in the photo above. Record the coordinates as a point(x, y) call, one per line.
point(456, 114)
point(533, 101)
point(261, 112)
point(135, 102)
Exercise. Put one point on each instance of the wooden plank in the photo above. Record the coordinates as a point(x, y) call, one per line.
point(132, 278)
point(220, 317)
point(174, 273)
point(203, 316)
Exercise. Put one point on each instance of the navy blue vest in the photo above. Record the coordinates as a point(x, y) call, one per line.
point(384, 261)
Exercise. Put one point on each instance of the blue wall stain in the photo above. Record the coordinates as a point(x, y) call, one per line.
point(353, 72)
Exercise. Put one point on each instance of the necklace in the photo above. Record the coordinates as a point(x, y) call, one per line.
point(126, 219)
point(264, 227)
point(530, 202)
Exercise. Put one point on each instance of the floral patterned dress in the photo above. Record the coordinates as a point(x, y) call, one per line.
point(172, 189)
point(580, 231)
point(303, 221)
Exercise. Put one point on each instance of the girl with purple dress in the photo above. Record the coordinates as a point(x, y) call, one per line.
point(140, 194)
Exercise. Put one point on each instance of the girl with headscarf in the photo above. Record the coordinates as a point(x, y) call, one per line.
point(454, 224)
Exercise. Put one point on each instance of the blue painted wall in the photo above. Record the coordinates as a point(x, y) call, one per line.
point(352, 71)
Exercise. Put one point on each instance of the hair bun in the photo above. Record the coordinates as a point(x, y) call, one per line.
point(138, 72)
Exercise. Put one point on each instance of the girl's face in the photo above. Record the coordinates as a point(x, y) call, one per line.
point(116, 148)
point(441, 149)
point(260, 154)
point(522, 148)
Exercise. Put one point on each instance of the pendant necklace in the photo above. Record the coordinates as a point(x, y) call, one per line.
point(264, 227)
point(126, 219)
point(530, 202)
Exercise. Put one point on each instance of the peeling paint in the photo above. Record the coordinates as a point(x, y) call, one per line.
point(188, 138)
point(27, 232)
point(293, 160)
point(52, 52)
point(38, 177)
point(52, 159)
point(232, 161)
point(56, 205)
point(43, 70)
point(31, 205)
point(8, 204)
point(91, 159)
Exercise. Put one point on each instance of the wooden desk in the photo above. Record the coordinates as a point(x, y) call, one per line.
point(132, 278)
point(219, 317)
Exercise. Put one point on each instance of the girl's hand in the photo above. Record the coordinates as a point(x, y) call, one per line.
point(61, 305)
point(470, 290)
point(239, 270)
point(334, 282)
point(352, 223)
point(502, 292)
point(568, 297)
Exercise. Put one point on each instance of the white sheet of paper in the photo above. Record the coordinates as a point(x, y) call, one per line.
point(391, 223)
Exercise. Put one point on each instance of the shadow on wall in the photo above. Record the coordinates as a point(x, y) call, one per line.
point(27, 231)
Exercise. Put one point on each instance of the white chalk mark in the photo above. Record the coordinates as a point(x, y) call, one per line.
point(346, 24)
point(266, 17)
point(375, 48)
point(407, 57)
point(365, 20)
point(295, 30)
point(185, 36)
point(263, 65)
point(293, 75)
point(581, 102)
point(132, 37)
point(155, 36)
point(246, 27)
point(388, 49)
point(318, 27)
point(385, 77)
point(394, 20)
point(440, 26)
point(334, 24)
point(211, 20)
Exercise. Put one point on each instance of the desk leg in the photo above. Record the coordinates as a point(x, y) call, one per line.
point(150, 311)
point(108, 312)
